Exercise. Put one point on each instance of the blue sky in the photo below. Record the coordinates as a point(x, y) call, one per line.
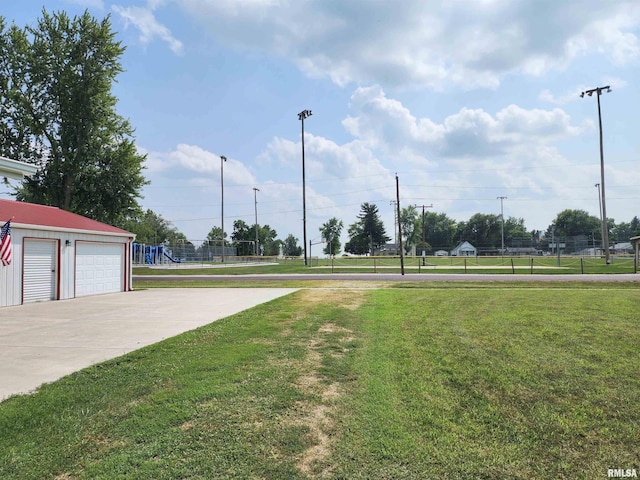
point(466, 100)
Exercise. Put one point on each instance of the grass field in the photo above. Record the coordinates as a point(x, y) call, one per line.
point(488, 264)
point(459, 381)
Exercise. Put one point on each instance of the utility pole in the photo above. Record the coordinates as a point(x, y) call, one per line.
point(399, 226)
point(255, 205)
point(222, 160)
point(423, 233)
point(605, 229)
point(301, 116)
point(600, 211)
point(502, 224)
point(396, 219)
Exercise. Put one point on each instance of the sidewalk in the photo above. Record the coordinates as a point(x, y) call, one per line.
point(43, 342)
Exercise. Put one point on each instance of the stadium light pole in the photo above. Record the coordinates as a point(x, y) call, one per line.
point(301, 116)
point(255, 205)
point(605, 230)
point(502, 223)
point(222, 160)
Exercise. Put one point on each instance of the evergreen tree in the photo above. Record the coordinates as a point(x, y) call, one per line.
point(367, 234)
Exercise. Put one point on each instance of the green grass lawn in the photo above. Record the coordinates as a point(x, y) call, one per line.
point(448, 382)
point(488, 264)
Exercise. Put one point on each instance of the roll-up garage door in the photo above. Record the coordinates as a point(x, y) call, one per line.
point(39, 281)
point(99, 268)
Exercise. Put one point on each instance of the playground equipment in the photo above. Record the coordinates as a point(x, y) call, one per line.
point(151, 255)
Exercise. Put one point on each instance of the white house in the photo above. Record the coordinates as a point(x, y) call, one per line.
point(465, 249)
point(14, 169)
point(58, 255)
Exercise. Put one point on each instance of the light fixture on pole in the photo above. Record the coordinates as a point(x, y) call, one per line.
point(502, 223)
point(301, 116)
point(222, 160)
point(605, 230)
point(255, 204)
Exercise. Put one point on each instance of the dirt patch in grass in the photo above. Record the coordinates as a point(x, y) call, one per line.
point(345, 297)
point(318, 422)
point(318, 416)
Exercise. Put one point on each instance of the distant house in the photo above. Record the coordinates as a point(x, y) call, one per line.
point(388, 249)
point(622, 248)
point(465, 249)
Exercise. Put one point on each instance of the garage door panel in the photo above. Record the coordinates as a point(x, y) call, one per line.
point(39, 280)
point(99, 268)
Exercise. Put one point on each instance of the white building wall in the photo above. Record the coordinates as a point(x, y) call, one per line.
point(11, 275)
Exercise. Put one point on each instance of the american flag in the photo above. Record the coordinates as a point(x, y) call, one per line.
point(5, 244)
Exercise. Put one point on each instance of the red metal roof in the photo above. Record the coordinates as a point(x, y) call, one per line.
point(41, 215)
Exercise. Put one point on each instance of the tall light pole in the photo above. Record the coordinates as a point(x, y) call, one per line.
point(255, 204)
point(301, 116)
point(600, 211)
point(222, 160)
point(502, 223)
point(605, 230)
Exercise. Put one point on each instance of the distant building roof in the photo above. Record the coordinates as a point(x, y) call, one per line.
point(30, 215)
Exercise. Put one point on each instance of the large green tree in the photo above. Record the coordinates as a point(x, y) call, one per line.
point(440, 230)
point(58, 112)
point(571, 223)
point(331, 230)
point(623, 231)
point(214, 237)
point(367, 234)
point(290, 247)
point(482, 231)
point(410, 227)
point(244, 237)
point(516, 234)
point(152, 229)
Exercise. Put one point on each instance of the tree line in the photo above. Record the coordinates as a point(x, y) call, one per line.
point(367, 235)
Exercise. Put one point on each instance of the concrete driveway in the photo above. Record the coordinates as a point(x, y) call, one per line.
point(42, 342)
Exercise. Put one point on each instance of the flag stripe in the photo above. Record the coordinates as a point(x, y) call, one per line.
point(5, 244)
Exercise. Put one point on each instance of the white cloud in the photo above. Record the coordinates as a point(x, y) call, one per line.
point(427, 44)
point(385, 124)
point(145, 21)
point(187, 160)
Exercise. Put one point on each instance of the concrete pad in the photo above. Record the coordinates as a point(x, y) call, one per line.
point(42, 342)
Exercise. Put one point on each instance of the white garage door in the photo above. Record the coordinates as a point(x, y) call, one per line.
point(39, 281)
point(99, 268)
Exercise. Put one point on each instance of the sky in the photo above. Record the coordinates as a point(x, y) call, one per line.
point(464, 100)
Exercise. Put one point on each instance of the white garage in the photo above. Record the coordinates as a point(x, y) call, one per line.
point(58, 255)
